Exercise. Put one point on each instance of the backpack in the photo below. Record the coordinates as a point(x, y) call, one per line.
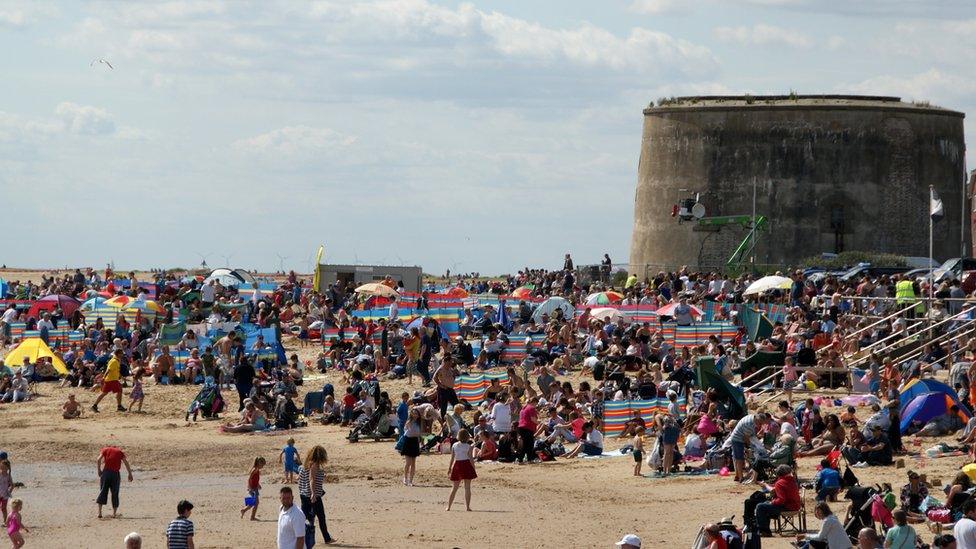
point(732, 538)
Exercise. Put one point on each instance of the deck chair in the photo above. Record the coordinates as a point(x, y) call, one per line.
point(313, 402)
point(793, 521)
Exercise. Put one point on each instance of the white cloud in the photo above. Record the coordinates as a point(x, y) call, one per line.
point(836, 42)
point(763, 35)
point(18, 14)
point(932, 85)
point(19, 128)
point(295, 140)
point(658, 7)
point(85, 119)
point(929, 9)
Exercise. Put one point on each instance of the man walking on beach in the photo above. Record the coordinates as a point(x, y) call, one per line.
point(444, 378)
point(110, 383)
point(291, 522)
point(110, 462)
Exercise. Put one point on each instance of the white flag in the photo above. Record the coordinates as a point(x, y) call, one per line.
point(935, 205)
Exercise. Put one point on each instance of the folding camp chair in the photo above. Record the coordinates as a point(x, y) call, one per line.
point(793, 521)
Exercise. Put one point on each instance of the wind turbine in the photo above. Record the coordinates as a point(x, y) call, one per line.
point(310, 263)
point(203, 259)
point(227, 259)
point(281, 262)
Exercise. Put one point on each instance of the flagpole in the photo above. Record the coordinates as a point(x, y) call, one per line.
point(931, 223)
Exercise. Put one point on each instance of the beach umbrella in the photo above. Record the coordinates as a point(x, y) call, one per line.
point(768, 283)
point(119, 301)
point(418, 323)
point(92, 303)
point(608, 314)
point(502, 316)
point(145, 306)
point(604, 298)
point(549, 306)
point(457, 292)
point(523, 292)
point(668, 310)
point(67, 304)
point(375, 288)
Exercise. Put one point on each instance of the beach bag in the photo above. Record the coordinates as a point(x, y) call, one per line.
point(399, 443)
point(444, 447)
point(733, 540)
point(941, 516)
point(880, 513)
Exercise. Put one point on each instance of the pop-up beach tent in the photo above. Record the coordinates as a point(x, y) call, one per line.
point(34, 349)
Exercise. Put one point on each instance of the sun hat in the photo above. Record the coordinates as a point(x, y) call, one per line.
point(629, 539)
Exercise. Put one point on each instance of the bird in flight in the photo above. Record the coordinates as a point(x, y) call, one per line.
point(103, 61)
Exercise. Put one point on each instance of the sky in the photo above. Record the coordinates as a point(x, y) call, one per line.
point(483, 136)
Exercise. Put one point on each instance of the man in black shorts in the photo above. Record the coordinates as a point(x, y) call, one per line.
point(444, 378)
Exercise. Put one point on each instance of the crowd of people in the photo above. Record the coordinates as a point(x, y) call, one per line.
point(551, 402)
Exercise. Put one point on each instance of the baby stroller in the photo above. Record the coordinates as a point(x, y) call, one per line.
point(377, 426)
point(208, 402)
point(859, 513)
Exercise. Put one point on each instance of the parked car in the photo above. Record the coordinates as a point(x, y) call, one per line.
point(961, 268)
point(866, 269)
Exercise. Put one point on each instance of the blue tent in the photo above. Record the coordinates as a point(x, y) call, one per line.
point(928, 406)
point(922, 386)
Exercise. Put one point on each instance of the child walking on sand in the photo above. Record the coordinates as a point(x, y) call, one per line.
point(790, 379)
point(462, 468)
point(15, 524)
point(253, 489)
point(289, 454)
point(638, 450)
point(136, 395)
point(6, 487)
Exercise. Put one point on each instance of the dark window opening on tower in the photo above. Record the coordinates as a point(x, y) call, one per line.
point(837, 226)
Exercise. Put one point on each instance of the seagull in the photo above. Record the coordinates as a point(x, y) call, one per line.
point(100, 60)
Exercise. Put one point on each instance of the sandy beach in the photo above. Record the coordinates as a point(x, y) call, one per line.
point(576, 503)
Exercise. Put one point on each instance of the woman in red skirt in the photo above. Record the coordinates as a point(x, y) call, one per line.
point(462, 468)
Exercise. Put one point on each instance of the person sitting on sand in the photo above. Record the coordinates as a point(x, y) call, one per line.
point(163, 366)
point(71, 409)
point(331, 411)
point(16, 389)
point(194, 365)
point(252, 419)
point(486, 449)
point(832, 437)
point(592, 444)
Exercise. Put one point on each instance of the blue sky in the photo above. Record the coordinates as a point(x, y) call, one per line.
point(473, 136)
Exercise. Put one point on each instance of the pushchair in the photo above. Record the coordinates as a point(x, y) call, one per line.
point(376, 426)
point(859, 513)
point(208, 402)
